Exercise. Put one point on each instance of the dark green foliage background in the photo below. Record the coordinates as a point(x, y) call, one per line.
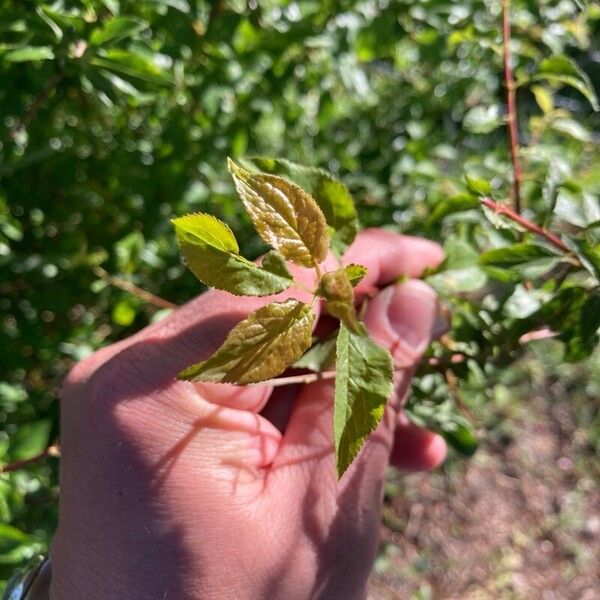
point(117, 115)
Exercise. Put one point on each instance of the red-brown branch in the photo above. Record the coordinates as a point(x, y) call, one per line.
point(511, 102)
point(53, 451)
point(503, 209)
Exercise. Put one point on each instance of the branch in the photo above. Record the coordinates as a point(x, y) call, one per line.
point(513, 133)
point(53, 451)
point(503, 209)
point(127, 286)
point(307, 378)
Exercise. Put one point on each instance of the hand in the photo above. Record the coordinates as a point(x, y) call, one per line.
point(172, 490)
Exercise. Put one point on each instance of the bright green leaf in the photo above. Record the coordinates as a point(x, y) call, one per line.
point(116, 29)
point(29, 53)
point(478, 186)
point(543, 97)
point(561, 69)
point(211, 252)
point(30, 439)
point(515, 254)
point(364, 382)
point(355, 273)
point(261, 347)
point(132, 64)
point(284, 215)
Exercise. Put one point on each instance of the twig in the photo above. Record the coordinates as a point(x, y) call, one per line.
point(503, 209)
point(307, 378)
point(53, 451)
point(511, 101)
point(38, 102)
point(127, 286)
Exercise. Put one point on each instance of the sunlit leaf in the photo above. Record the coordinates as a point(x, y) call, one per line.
point(284, 215)
point(363, 384)
point(211, 252)
point(261, 347)
point(320, 356)
point(115, 29)
point(355, 273)
point(28, 53)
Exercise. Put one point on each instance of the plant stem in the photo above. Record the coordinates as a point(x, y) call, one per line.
point(127, 286)
point(306, 378)
point(503, 209)
point(513, 132)
point(53, 451)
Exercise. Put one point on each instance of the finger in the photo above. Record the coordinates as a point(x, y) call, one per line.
point(416, 449)
point(401, 318)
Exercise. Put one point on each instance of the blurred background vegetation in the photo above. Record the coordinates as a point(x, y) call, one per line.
point(117, 115)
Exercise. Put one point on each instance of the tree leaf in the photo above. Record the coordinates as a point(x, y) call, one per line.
point(478, 186)
point(116, 29)
point(29, 53)
point(132, 64)
point(543, 97)
point(364, 382)
point(561, 69)
point(211, 252)
point(451, 205)
point(355, 273)
point(284, 215)
point(332, 196)
point(515, 254)
point(261, 347)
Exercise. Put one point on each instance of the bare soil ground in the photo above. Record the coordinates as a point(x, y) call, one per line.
point(520, 520)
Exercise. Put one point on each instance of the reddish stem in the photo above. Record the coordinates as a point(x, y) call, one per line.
point(53, 451)
point(502, 209)
point(511, 101)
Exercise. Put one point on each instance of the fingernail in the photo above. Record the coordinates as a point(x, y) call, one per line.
point(412, 312)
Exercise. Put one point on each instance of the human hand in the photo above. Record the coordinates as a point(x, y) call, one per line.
point(175, 490)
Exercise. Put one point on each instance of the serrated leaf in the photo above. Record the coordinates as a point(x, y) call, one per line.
point(364, 382)
point(515, 254)
point(211, 252)
point(320, 356)
point(478, 186)
point(284, 215)
point(332, 196)
point(115, 29)
point(561, 69)
point(261, 347)
point(356, 273)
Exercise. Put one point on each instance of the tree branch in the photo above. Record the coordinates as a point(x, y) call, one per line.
point(513, 132)
point(53, 451)
point(127, 286)
point(503, 209)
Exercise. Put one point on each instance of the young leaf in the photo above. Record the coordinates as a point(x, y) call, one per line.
point(261, 347)
point(561, 69)
point(364, 382)
point(355, 273)
point(515, 254)
point(331, 195)
point(211, 252)
point(337, 290)
point(284, 215)
point(478, 186)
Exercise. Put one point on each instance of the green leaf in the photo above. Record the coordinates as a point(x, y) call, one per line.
point(211, 252)
point(332, 196)
point(284, 215)
point(29, 53)
point(561, 69)
point(515, 254)
point(588, 254)
point(571, 128)
point(320, 356)
point(356, 273)
point(132, 64)
point(478, 186)
point(460, 436)
point(124, 312)
point(337, 290)
point(482, 119)
point(451, 205)
point(364, 382)
point(590, 314)
point(30, 439)
point(543, 97)
point(116, 29)
point(261, 347)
